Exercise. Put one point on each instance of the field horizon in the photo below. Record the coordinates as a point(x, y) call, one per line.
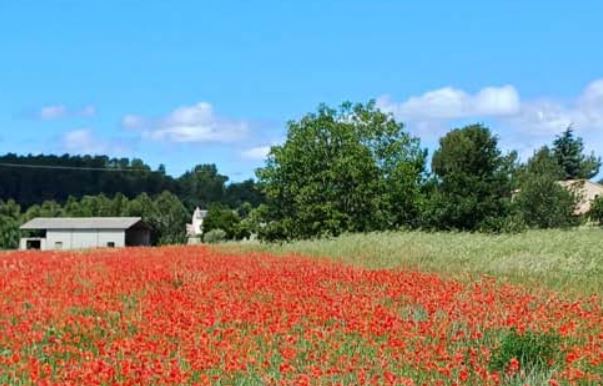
point(563, 260)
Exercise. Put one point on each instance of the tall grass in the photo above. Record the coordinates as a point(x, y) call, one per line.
point(565, 260)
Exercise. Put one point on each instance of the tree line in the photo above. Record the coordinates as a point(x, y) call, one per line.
point(33, 179)
point(356, 169)
point(347, 169)
point(90, 186)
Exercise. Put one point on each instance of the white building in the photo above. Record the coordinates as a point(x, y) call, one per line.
point(84, 232)
point(194, 230)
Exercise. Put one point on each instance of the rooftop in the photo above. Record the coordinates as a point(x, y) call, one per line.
point(81, 223)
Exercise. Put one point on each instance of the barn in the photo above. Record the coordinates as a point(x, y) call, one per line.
point(84, 232)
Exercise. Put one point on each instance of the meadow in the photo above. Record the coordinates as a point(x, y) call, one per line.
point(200, 315)
point(567, 261)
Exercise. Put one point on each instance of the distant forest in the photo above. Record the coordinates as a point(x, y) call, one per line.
point(33, 179)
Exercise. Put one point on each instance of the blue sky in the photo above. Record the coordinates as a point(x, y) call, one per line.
point(188, 82)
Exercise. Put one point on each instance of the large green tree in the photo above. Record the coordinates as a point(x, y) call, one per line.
point(473, 181)
point(568, 150)
point(349, 169)
point(202, 186)
point(170, 219)
point(540, 199)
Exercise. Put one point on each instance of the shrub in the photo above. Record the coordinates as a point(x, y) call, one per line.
point(535, 351)
point(513, 223)
point(9, 233)
point(596, 211)
point(214, 236)
point(224, 219)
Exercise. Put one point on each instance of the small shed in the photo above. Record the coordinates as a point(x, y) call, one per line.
point(84, 232)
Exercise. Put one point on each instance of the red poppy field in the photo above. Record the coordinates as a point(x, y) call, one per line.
point(191, 315)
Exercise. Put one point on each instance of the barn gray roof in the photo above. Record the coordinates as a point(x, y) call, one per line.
point(81, 223)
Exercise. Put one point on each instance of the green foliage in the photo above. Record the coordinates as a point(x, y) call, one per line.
point(569, 154)
point(535, 351)
point(596, 211)
point(168, 219)
point(79, 177)
point(215, 236)
point(30, 186)
point(512, 223)
point(243, 193)
point(203, 186)
point(225, 219)
point(10, 213)
point(354, 169)
point(473, 185)
point(540, 199)
point(9, 232)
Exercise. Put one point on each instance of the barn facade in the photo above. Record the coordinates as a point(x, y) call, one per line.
point(84, 233)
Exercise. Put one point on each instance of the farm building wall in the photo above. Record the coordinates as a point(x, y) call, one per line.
point(57, 239)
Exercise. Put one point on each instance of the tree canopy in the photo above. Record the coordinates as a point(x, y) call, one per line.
point(352, 169)
point(473, 180)
point(541, 200)
point(33, 179)
point(569, 153)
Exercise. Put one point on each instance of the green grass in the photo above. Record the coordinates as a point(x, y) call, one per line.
point(564, 260)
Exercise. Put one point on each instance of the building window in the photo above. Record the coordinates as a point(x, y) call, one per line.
point(58, 245)
point(111, 244)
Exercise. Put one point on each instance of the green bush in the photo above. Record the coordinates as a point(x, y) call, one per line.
point(510, 224)
point(9, 233)
point(214, 236)
point(535, 351)
point(596, 211)
point(224, 219)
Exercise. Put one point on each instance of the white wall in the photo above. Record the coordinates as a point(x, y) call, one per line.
point(84, 238)
point(116, 236)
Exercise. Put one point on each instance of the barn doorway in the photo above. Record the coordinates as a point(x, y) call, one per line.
point(33, 244)
point(138, 235)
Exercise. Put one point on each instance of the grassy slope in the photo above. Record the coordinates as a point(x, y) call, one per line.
point(563, 260)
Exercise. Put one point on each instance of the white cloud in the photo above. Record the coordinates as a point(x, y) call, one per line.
point(83, 141)
point(500, 106)
point(61, 111)
point(52, 112)
point(132, 121)
point(257, 153)
point(87, 111)
point(453, 103)
point(546, 117)
point(521, 124)
point(191, 124)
